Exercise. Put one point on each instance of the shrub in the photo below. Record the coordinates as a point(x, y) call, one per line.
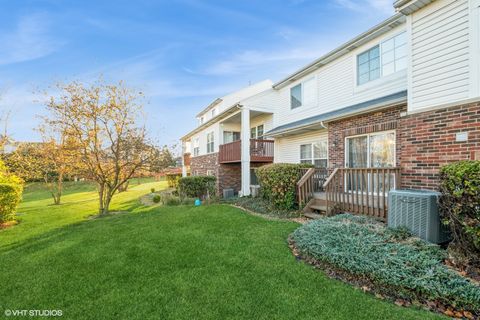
point(10, 195)
point(156, 198)
point(168, 198)
point(173, 179)
point(202, 187)
point(365, 248)
point(278, 183)
point(460, 207)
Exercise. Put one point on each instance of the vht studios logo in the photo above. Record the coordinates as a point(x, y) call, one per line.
point(32, 313)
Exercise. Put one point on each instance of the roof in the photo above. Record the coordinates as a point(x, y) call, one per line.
point(410, 6)
point(374, 32)
point(210, 106)
point(371, 105)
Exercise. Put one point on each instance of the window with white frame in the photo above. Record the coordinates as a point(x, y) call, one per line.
point(303, 94)
point(210, 142)
point(368, 65)
point(383, 59)
point(196, 147)
point(230, 136)
point(257, 132)
point(201, 120)
point(296, 96)
point(214, 112)
point(394, 54)
point(315, 153)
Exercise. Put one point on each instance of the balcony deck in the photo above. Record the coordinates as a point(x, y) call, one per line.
point(260, 151)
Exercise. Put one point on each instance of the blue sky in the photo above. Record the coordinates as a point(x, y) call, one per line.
point(181, 54)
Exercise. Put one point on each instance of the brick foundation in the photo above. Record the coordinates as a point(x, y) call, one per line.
point(428, 141)
point(229, 175)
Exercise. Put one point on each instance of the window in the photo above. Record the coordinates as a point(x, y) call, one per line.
point(296, 96)
point(201, 120)
point(375, 150)
point(315, 153)
point(210, 143)
point(214, 112)
point(257, 132)
point(394, 54)
point(368, 65)
point(382, 60)
point(196, 147)
point(230, 136)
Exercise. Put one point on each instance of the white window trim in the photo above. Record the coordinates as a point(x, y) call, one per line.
point(302, 105)
point(313, 157)
point(256, 130)
point(345, 151)
point(213, 142)
point(383, 79)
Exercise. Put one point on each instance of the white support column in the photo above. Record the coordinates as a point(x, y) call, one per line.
point(245, 136)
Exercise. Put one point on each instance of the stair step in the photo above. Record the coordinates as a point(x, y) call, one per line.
point(319, 208)
point(311, 215)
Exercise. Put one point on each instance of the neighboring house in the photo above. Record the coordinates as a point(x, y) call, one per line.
point(405, 94)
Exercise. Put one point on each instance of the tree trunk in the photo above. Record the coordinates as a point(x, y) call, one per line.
point(105, 197)
point(59, 189)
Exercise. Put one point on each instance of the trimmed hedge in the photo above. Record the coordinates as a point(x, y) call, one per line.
point(278, 183)
point(10, 196)
point(408, 267)
point(202, 187)
point(460, 208)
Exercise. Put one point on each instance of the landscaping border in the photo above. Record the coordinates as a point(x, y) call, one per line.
point(378, 290)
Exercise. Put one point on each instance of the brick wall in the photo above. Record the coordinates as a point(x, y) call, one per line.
point(428, 141)
point(201, 164)
point(229, 177)
point(384, 120)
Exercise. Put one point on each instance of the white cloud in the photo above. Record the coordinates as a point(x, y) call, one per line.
point(29, 40)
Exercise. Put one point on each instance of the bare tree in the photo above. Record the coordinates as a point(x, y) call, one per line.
point(104, 121)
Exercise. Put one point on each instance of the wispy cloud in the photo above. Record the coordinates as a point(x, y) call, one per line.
point(30, 39)
point(383, 6)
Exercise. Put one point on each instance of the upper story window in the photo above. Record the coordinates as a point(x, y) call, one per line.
point(214, 112)
point(201, 120)
point(386, 58)
point(257, 132)
point(394, 54)
point(368, 65)
point(303, 94)
point(210, 142)
point(296, 96)
point(196, 147)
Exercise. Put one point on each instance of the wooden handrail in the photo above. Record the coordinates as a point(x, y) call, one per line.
point(361, 190)
point(306, 176)
point(311, 181)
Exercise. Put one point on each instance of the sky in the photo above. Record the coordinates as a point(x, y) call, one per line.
point(182, 54)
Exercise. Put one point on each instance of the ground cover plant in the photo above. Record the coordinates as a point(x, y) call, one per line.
point(181, 262)
point(404, 266)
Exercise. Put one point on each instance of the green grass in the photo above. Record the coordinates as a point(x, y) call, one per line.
point(210, 262)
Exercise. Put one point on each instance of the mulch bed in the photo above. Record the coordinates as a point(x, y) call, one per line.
point(381, 291)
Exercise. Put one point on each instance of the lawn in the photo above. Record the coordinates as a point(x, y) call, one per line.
point(211, 262)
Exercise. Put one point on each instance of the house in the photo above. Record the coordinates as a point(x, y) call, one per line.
point(385, 110)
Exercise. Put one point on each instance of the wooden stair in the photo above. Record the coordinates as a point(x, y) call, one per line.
point(316, 207)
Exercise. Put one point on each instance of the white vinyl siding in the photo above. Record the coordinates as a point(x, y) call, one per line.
point(287, 149)
point(336, 86)
point(196, 147)
point(440, 54)
point(296, 96)
point(303, 94)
